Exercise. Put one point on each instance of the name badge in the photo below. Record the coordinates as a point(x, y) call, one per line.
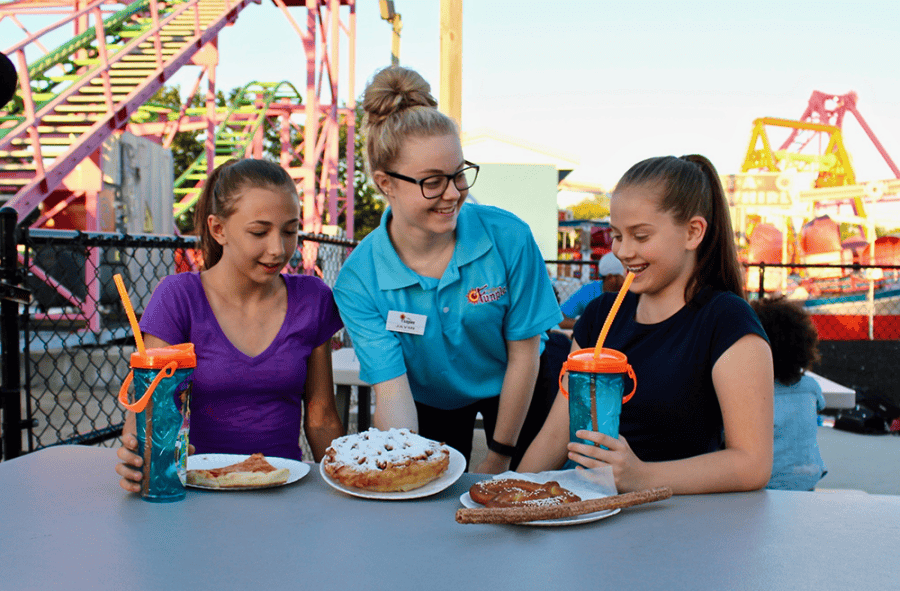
point(406, 322)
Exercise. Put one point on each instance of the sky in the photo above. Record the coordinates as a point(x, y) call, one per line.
point(610, 83)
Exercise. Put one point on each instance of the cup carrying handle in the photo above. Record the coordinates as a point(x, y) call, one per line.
point(166, 372)
point(625, 398)
point(631, 375)
point(562, 388)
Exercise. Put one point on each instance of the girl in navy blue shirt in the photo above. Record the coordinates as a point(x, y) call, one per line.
point(701, 419)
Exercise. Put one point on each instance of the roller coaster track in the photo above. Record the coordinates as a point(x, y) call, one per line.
point(107, 73)
point(236, 136)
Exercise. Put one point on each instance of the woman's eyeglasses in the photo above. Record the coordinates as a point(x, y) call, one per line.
point(435, 185)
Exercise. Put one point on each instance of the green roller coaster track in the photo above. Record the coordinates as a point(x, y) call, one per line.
point(245, 116)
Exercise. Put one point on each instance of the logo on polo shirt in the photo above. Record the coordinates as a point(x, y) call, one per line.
point(485, 294)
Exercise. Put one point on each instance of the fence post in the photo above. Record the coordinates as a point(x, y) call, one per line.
point(10, 297)
point(762, 280)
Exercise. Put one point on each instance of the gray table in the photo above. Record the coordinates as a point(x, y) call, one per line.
point(67, 525)
point(836, 395)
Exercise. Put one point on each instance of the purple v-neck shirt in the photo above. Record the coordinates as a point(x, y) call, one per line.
point(242, 404)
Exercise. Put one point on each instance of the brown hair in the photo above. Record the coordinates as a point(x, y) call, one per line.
point(398, 104)
point(795, 343)
point(690, 186)
point(221, 192)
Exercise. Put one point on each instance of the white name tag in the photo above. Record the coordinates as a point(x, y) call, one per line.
point(406, 322)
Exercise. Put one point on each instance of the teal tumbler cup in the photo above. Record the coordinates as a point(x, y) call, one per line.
point(596, 392)
point(162, 389)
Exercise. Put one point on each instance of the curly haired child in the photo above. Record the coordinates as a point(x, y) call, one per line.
point(797, 463)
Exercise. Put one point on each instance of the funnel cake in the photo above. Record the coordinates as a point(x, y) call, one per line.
point(396, 460)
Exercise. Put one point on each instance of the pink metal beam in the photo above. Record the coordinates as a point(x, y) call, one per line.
point(52, 27)
point(51, 106)
point(871, 134)
point(30, 196)
point(818, 110)
point(350, 148)
point(321, 190)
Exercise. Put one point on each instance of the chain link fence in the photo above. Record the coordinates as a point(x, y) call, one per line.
point(74, 339)
point(847, 302)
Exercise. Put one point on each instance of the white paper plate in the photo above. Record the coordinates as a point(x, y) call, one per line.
point(208, 461)
point(467, 502)
point(454, 471)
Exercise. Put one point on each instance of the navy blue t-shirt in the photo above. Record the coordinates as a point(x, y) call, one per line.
point(674, 413)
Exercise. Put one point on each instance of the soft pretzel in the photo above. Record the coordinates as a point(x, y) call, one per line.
point(484, 491)
point(514, 492)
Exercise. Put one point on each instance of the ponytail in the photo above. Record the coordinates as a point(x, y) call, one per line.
point(690, 186)
point(210, 250)
point(717, 260)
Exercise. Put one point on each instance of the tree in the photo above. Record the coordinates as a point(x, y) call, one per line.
point(592, 208)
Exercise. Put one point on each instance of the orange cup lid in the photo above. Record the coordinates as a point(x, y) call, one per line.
point(161, 356)
point(609, 361)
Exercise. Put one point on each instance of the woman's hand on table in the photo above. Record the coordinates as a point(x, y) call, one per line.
point(629, 471)
point(493, 463)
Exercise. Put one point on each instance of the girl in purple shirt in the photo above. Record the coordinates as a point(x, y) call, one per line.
point(262, 339)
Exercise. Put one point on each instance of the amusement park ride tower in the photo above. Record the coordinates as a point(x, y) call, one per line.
point(76, 99)
point(811, 171)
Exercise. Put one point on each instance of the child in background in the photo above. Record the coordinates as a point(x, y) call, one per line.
point(797, 463)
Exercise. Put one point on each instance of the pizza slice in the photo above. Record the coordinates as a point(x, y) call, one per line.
point(255, 471)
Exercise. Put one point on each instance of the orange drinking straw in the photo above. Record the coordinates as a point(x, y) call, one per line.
point(126, 301)
point(612, 313)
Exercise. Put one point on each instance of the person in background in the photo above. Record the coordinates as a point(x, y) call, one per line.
point(797, 463)
point(262, 337)
point(701, 419)
point(446, 302)
point(612, 277)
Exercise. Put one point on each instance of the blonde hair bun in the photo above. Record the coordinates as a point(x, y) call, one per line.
point(395, 89)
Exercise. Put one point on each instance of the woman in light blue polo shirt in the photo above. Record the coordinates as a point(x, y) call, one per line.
point(446, 302)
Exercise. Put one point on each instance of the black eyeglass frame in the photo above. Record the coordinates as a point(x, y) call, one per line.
point(450, 178)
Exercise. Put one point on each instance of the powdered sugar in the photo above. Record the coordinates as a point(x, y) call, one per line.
point(375, 450)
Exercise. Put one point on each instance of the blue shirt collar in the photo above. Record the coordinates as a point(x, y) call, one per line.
point(472, 241)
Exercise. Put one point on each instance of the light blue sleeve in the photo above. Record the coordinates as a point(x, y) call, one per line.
point(578, 301)
point(378, 350)
point(534, 307)
point(817, 389)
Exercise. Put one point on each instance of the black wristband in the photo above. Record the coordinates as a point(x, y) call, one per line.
point(501, 448)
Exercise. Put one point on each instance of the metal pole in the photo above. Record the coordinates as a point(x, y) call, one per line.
point(762, 280)
point(10, 387)
point(450, 101)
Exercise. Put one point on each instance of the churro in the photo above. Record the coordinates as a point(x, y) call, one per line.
point(523, 514)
